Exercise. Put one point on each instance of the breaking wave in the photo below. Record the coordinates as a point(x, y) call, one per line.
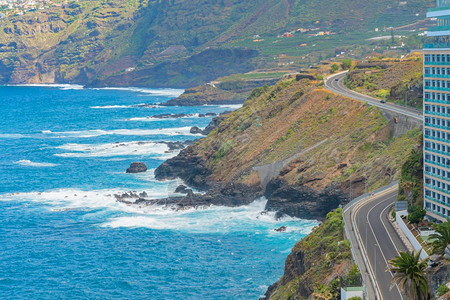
point(29, 163)
point(183, 131)
point(114, 149)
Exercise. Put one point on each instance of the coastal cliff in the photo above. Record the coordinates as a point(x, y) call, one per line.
point(305, 149)
point(233, 89)
point(316, 263)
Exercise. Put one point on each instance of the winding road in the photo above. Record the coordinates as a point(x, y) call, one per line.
point(335, 84)
point(373, 237)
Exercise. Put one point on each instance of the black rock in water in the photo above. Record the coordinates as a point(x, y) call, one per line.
point(181, 189)
point(196, 130)
point(281, 229)
point(137, 167)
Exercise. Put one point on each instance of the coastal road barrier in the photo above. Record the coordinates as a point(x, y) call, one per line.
point(349, 209)
point(334, 84)
point(417, 246)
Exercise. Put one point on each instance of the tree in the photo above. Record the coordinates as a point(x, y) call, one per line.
point(334, 68)
point(441, 238)
point(416, 214)
point(346, 64)
point(409, 274)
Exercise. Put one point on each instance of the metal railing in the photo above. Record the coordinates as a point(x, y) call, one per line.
point(436, 138)
point(435, 88)
point(382, 189)
point(436, 75)
point(437, 126)
point(436, 46)
point(437, 151)
point(438, 164)
point(439, 28)
point(437, 201)
point(436, 101)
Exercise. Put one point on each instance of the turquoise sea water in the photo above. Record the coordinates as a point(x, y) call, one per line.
point(63, 154)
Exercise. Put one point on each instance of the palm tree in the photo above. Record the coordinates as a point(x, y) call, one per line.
point(441, 238)
point(408, 274)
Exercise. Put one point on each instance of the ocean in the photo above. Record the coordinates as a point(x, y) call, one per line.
point(64, 152)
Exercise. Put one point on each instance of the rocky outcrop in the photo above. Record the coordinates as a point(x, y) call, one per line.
point(319, 258)
point(438, 271)
point(188, 166)
point(302, 201)
point(220, 91)
point(326, 146)
point(229, 195)
point(196, 130)
point(215, 122)
point(137, 167)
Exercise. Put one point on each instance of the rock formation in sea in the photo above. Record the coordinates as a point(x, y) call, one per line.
point(137, 167)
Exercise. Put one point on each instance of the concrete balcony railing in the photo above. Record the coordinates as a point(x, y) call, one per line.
point(436, 101)
point(436, 63)
point(436, 76)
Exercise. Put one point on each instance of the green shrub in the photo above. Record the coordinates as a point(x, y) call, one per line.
point(223, 150)
point(442, 290)
point(416, 214)
point(334, 68)
point(346, 64)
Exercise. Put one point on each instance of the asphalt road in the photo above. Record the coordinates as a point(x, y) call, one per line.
point(335, 84)
point(374, 239)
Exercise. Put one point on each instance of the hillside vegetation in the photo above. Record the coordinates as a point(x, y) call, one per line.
point(177, 42)
point(393, 80)
point(311, 145)
point(316, 263)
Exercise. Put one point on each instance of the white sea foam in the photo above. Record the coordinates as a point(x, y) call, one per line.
point(60, 86)
point(153, 92)
point(124, 132)
point(151, 119)
point(202, 220)
point(29, 163)
point(112, 106)
point(231, 106)
point(68, 198)
point(114, 149)
point(11, 136)
point(211, 219)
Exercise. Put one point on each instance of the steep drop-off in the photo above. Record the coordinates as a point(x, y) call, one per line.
point(305, 149)
point(316, 263)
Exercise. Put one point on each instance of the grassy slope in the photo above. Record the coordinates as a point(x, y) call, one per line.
point(399, 82)
point(293, 116)
point(105, 37)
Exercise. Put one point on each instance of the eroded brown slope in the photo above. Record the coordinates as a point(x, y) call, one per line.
point(317, 142)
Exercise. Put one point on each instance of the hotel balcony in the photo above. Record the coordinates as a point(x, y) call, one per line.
point(438, 12)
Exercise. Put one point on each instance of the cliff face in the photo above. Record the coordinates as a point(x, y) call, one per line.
point(315, 263)
point(223, 90)
point(305, 149)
